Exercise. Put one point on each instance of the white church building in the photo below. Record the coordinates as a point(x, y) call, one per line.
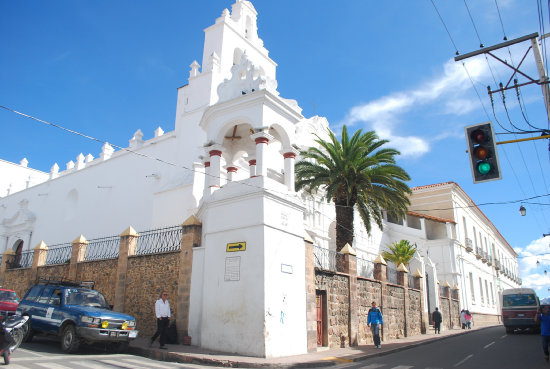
point(229, 161)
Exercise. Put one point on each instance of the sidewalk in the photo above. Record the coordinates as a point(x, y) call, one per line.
point(328, 357)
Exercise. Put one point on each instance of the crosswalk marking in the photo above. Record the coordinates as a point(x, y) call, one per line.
point(121, 364)
point(88, 364)
point(53, 366)
point(403, 367)
point(151, 365)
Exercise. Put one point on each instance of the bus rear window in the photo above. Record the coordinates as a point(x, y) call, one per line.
point(519, 300)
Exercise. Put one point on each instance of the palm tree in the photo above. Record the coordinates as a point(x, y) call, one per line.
point(355, 171)
point(400, 252)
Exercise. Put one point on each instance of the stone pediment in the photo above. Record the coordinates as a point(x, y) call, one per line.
point(245, 78)
point(22, 217)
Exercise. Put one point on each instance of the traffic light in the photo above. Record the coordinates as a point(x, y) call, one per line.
point(483, 152)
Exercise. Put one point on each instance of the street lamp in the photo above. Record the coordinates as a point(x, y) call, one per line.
point(522, 210)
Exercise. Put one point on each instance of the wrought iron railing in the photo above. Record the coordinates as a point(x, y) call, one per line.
point(365, 268)
point(159, 240)
point(59, 254)
point(391, 273)
point(103, 248)
point(469, 244)
point(324, 258)
point(22, 260)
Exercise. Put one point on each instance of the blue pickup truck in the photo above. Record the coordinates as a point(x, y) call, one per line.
point(76, 313)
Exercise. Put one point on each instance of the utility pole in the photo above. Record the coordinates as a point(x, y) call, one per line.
point(542, 78)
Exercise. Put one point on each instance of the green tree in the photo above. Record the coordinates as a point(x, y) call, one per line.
point(355, 171)
point(400, 252)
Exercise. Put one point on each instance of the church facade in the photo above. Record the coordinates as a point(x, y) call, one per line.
point(229, 161)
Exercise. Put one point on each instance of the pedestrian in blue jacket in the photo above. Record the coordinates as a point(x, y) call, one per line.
point(374, 321)
point(544, 318)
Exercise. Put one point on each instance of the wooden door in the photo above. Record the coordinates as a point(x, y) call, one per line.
point(319, 301)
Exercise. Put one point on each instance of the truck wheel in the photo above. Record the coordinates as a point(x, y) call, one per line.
point(69, 340)
point(27, 331)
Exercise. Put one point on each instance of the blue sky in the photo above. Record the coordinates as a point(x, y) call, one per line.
point(107, 68)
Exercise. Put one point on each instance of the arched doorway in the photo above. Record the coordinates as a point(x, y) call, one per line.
point(18, 248)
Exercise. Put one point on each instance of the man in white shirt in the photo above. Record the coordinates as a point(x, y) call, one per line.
point(162, 312)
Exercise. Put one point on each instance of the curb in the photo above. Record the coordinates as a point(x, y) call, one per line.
point(185, 358)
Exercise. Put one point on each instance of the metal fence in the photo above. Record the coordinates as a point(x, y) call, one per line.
point(391, 273)
point(324, 258)
point(59, 254)
point(22, 260)
point(365, 268)
point(411, 280)
point(159, 240)
point(103, 248)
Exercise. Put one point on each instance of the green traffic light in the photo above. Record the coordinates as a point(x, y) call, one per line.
point(484, 167)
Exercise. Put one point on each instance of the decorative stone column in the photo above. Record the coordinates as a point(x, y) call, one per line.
point(289, 155)
point(230, 173)
point(311, 305)
point(424, 319)
point(447, 292)
point(215, 152)
point(380, 269)
point(252, 163)
point(262, 140)
point(403, 280)
point(207, 177)
point(128, 247)
point(191, 237)
point(39, 259)
point(350, 261)
point(78, 254)
point(402, 275)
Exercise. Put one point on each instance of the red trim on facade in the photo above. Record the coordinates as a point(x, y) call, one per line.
point(287, 155)
point(207, 164)
point(215, 153)
point(232, 169)
point(252, 162)
point(261, 140)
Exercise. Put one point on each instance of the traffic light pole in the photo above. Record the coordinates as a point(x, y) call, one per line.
point(523, 139)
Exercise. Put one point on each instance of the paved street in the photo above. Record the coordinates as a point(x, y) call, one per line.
point(487, 349)
point(46, 353)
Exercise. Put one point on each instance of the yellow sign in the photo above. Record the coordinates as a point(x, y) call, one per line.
point(236, 246)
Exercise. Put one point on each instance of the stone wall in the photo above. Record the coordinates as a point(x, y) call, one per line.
point(147, 277)
point(368, 291)
point(337, 292)
point(131, 283)
point(394, 312)
point(414, 313)
point(103, 273)
point(455, 315)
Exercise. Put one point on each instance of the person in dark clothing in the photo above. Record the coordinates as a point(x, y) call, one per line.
point(544, 317)
point(162, 312)
point(436, 317)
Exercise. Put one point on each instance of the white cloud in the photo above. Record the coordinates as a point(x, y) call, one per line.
point(445, 93)
point(533, 275)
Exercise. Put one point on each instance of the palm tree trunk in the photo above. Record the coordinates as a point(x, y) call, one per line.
point(344, 224)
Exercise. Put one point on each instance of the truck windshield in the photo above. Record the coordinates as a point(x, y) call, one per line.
point(85, 297)
point(514, 300)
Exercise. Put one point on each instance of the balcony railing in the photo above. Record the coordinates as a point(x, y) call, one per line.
point(325, 259)
point(469, 245)
point(365, 268)
point(478, 253)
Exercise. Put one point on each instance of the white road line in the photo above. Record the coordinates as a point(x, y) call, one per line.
point(88, 364)
point(121, 364)
point(52, 366)
point(503, 336)
point(15, 366)
point(489, 344)
point(30, 352)
point(150, 364)
point(373, 366)
point(463, 360)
